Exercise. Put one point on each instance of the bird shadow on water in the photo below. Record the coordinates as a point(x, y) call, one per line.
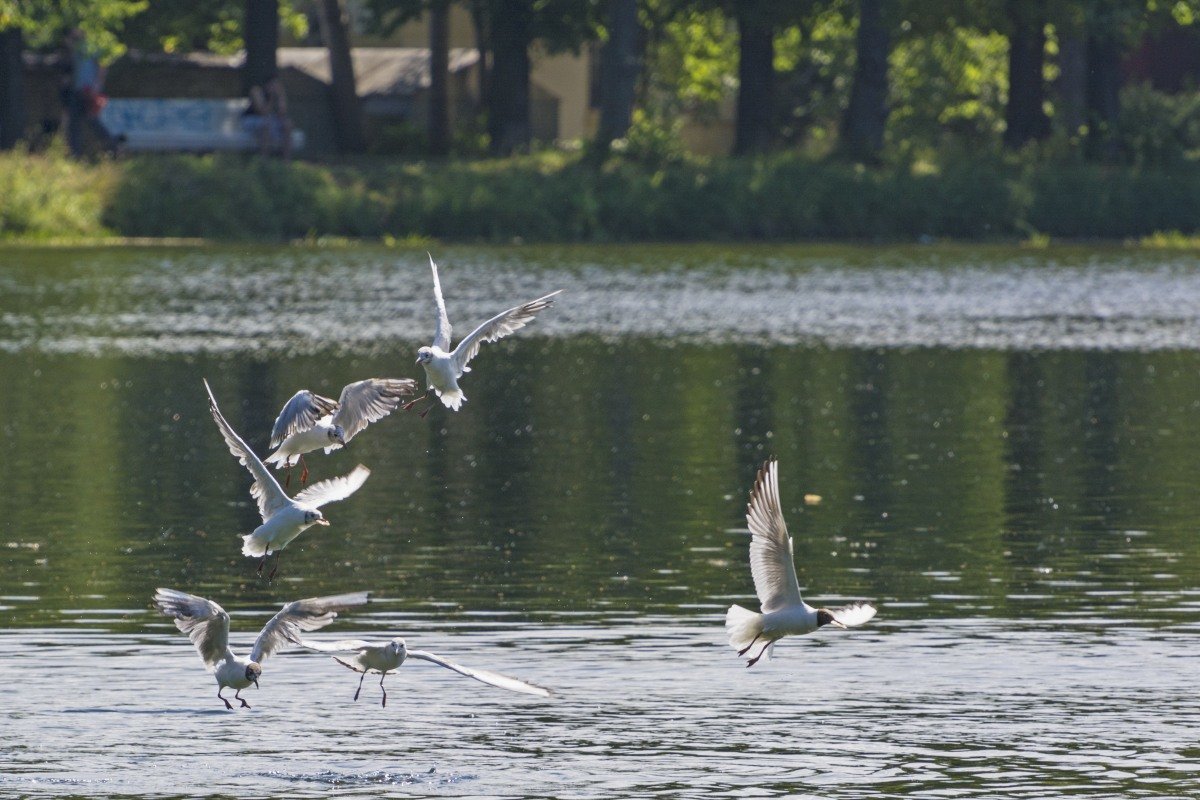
point(379, 777)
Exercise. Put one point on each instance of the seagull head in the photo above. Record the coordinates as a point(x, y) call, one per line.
point(338, 434)
point(826, 618)
point(397, 648)
point(315, 517)
point(425, 355)
point(253, 671)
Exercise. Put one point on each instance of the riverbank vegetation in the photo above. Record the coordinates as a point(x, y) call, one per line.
point(556, 196)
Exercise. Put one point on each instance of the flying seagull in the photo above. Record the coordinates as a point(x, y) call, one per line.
point(385, 657)
point(207, 624)
point(284, 518)
point(443, 367)
point(309, 421)
point(784, 612)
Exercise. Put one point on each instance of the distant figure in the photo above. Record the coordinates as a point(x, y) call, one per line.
point(267, 118)
point(82, 94)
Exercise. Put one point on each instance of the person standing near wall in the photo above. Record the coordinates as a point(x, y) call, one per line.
point(267, 118)
point(83, 94)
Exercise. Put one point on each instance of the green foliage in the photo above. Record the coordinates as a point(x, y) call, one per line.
point(44, 22)
point(949, 83)
point(52, 196)
point(556, 197)
point(1159, 129)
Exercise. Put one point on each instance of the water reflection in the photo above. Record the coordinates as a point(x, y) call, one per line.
point(1024, 518)
point(591, 477)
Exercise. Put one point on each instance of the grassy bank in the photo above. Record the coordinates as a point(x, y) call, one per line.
point(556, 197)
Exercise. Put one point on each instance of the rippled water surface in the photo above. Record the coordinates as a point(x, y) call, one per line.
point(1001, 448)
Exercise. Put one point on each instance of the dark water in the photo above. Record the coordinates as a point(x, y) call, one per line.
point(1023, 514)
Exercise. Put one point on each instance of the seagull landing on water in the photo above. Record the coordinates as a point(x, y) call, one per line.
point(207, 624)
point(284, 518)
point(444, 367)
point(385, 657)
point(309, 421)
point(784, 612)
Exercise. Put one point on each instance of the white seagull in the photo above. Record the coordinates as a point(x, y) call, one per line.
point(444, 367)
point(784, 612)
point(385, 657)
point(207, 624)
point(309, 421)
point(284, 518)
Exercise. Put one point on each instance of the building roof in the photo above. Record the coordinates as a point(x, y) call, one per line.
point(378, 70)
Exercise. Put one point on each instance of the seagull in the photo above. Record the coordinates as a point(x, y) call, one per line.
point(444, 367)
point(385, 657)
point(207, 624)
point(309, 421)
point(784, 612)
point(284, 518)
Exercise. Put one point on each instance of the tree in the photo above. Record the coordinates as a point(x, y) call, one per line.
point(620, 65)
point(261, 34)
point(439, 73)
point(511, 33)
point(754, 126)
point(12, 88)
point(347, 111)
point(1025, 115)
point(866, 115)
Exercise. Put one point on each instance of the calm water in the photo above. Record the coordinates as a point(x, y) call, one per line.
point(1004, 443)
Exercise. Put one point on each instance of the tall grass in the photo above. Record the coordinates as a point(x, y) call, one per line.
point(559, 197)
point(52, 196)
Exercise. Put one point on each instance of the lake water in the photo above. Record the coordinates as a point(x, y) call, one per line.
point(1004, 443)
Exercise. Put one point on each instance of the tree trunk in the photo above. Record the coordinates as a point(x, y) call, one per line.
point(1103, 95)
point(439, 74)
point(756, 80)
point(12, 88)
point(262, 40)
point(508, 111)
point(1025, 116)
point(483, 45)
point(620, 66)
point(1071, 86)
point(343, 95)
point(866, 115)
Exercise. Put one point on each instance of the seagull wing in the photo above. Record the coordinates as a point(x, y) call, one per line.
point(265, 489)
point(482, 675)
point(771, 561)
point(300, 414)
point(340, 646)
point(441, 334)
point(498, 327)
point(854, 614)
point(334, 489)
point(298, 617)
point(205, 622)
point(369, 401)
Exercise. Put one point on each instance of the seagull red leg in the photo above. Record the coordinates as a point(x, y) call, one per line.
point(223, 700)
point(359, 689)
point(381, 677)
point(238, 696)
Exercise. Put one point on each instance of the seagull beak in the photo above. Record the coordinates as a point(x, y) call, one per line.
point(418, 361)
point(323, 521)
point(836, 624)
point(256, 686)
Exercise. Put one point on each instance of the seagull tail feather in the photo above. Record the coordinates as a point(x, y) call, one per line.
point(453, 399)
point(743, 625)
point(254, 546)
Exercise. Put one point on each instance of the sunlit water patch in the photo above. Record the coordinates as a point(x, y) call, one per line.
point(367, 300)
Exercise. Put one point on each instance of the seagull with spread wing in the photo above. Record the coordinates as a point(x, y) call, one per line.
point(443, 367)
point(284, 518)
point(784, 612)
point(207, 624)
point(309, 421)
point(385, 657)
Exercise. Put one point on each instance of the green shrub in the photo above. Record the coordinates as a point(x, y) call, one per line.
point(50, 195)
